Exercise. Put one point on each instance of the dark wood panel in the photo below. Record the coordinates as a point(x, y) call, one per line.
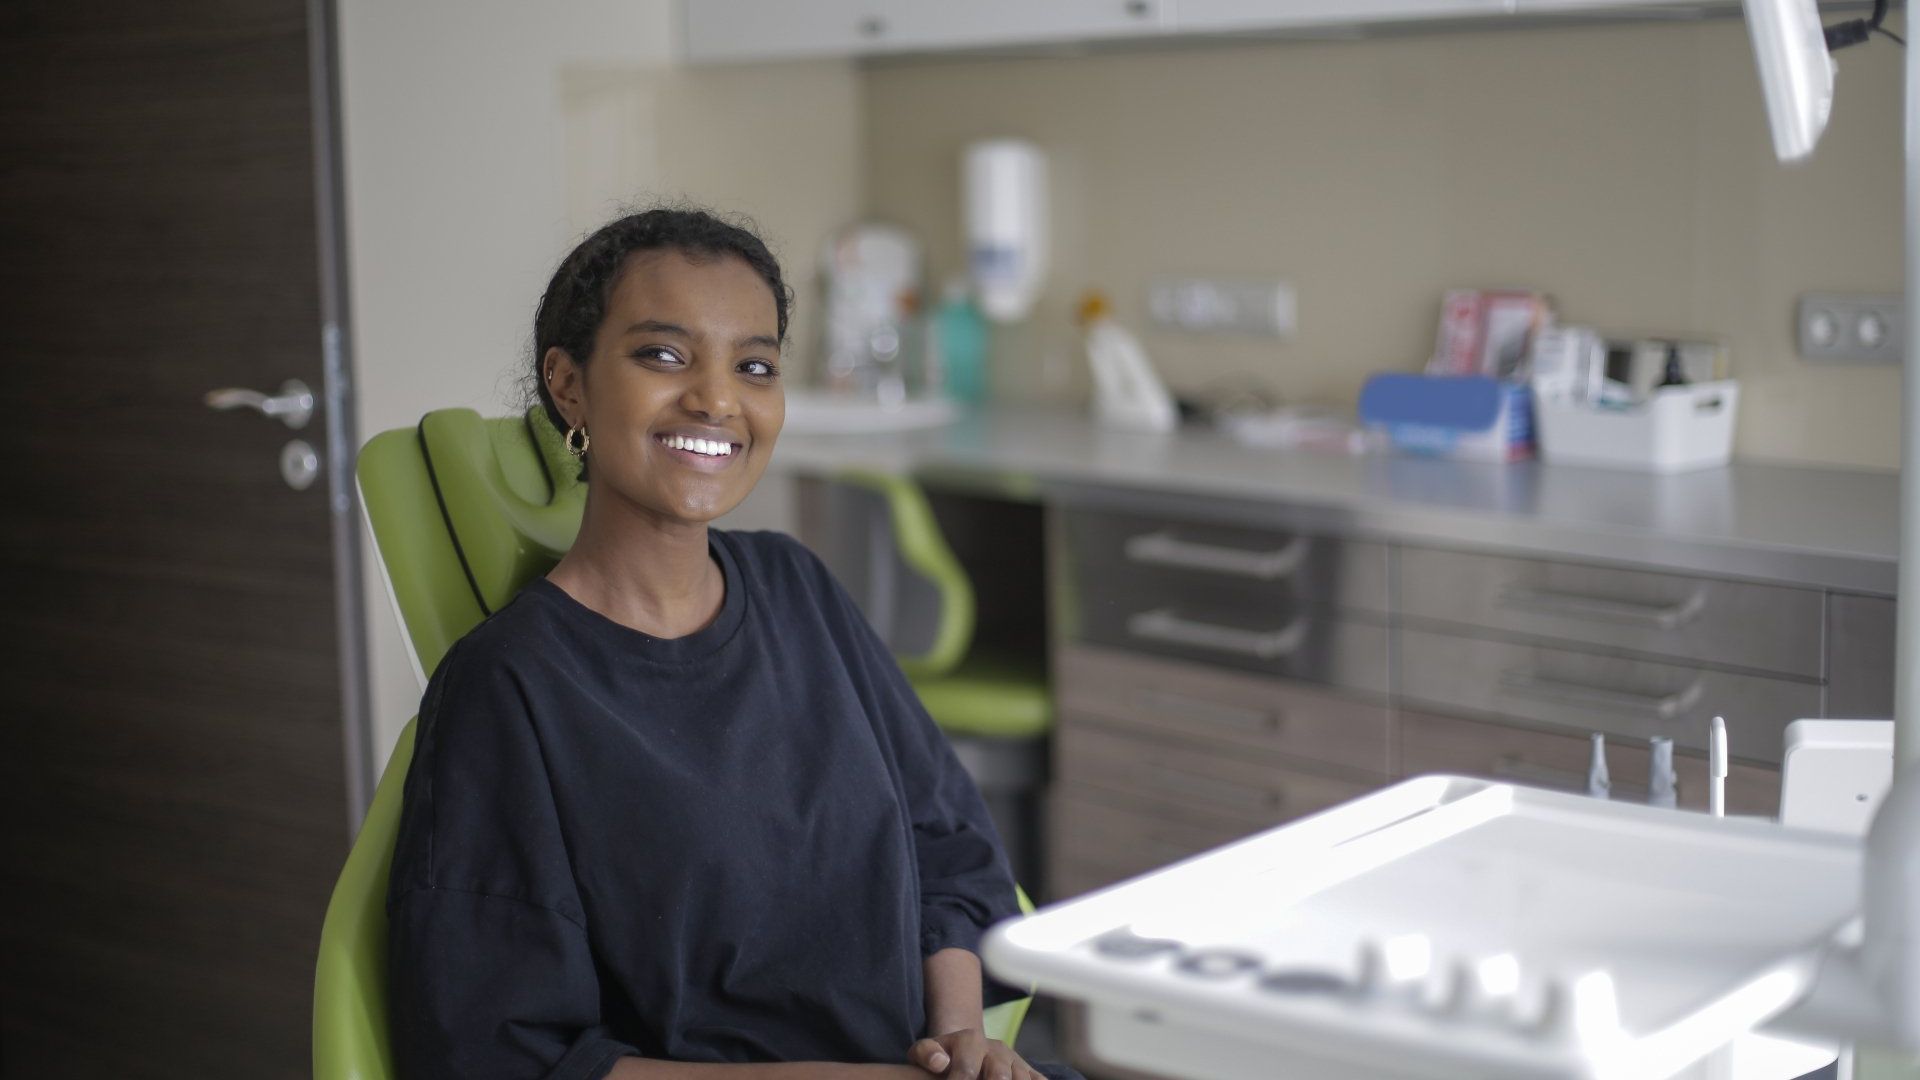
point(170, 769)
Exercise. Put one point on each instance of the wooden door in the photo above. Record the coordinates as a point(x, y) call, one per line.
point(171, 764)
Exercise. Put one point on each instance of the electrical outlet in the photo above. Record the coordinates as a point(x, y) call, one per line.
point(1221, 306)
point(1853, 328)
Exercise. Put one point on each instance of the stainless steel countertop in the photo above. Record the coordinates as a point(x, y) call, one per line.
point(1820, 527)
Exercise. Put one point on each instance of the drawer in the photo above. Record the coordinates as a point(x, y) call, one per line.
point(1860, 657)
point(1225, 709)
point(1092, 829)
point(1191, 780)
point(1538, 685)
point(1068, 878)
point(1262, 567)
point(1763, 627)
point(1440, 744)
point(1294, 642)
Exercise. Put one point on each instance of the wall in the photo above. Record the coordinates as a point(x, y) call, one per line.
point(482, 139)
point(1627, 170)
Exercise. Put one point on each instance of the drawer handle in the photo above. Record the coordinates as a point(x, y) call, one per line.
point(1166, 549)
point(1237, 717)
point(1528, 684)
point(1162, 624)
point(1209, 789)
point(1574, 605)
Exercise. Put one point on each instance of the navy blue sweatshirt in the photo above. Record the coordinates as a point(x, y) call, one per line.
point(734, 846)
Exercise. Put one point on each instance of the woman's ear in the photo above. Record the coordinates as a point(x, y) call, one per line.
point(566, 384)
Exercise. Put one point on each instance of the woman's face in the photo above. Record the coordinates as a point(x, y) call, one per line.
point(682, 398)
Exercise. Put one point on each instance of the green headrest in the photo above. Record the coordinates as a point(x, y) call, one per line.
point(510, 492)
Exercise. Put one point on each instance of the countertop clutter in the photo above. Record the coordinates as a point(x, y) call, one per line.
point(1795, 525)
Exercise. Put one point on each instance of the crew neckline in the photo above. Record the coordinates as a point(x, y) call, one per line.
point(700, 643)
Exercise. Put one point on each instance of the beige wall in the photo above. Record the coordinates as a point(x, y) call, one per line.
point(1626, 170)
point(483, 138)
point(780, 143)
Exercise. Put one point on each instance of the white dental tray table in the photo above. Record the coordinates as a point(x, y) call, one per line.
point(1448, 927)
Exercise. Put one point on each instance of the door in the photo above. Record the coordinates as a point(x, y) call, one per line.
point(171, 764)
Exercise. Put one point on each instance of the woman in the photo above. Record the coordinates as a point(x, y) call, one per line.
point(674, 811)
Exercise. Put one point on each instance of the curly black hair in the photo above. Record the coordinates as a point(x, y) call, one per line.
point(575, 302)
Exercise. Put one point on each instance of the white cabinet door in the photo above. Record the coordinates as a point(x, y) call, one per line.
point(1528, 7)
point(1210, 16)
point(954, 24)
point(721, 30)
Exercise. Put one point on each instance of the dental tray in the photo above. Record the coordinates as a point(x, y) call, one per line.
point(1448, 927)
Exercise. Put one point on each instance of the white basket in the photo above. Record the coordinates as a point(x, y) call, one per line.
point(1678, 428)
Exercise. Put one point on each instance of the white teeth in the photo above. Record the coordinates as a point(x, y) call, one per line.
point(708, 447)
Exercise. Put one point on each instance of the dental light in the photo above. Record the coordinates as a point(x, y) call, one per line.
point(1796, 72)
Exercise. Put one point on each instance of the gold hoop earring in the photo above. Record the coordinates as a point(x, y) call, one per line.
point(577, 449)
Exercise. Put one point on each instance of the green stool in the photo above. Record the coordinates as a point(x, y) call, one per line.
point(464, 511)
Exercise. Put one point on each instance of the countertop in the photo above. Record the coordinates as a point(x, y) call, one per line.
point(1798, 525)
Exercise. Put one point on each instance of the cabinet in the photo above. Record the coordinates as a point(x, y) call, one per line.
point(1625, 7)
point(1211, 681)
point(1224, 678)
point(930, 25)
point(727, 30)
point(731, 30)
point(1220, 16)
point(1214, 680)
point(719, 31)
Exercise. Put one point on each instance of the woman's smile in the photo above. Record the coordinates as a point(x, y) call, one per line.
point(708, 451)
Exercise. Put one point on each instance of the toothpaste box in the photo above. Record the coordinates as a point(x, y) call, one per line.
point(1466, 417)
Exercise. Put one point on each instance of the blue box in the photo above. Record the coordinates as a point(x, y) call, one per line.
point(1466, 417)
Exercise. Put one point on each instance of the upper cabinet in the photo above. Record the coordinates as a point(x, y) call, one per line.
point(942, 24)
point(724, 30)
point(731, 30)
point(1623, 7)
point(1214, 16)
point(719, 30)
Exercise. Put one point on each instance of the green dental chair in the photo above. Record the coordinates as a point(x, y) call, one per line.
point(464, 511)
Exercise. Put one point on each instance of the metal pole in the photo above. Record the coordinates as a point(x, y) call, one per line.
point(1906, 704)
point(343, 442)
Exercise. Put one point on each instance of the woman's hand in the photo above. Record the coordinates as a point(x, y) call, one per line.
point(968, 1054)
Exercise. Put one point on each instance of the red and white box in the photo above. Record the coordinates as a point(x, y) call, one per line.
point(1487, 331)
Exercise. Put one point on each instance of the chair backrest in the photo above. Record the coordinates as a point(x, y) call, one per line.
point(886, 546)
point(350, 977)
point(465, 511)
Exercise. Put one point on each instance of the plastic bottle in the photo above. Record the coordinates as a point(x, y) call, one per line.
point(1127, 392)
point(960, 338)
point(1675, 374)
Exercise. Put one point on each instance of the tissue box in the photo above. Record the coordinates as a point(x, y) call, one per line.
point(1470, 418)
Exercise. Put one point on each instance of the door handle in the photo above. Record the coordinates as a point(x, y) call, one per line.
point(292, 406)
point(1668, 707)
point(1574, 605)
point(1166, 549)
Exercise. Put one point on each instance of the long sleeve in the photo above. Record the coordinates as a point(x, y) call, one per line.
point(490, 968)
point(965, 883)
